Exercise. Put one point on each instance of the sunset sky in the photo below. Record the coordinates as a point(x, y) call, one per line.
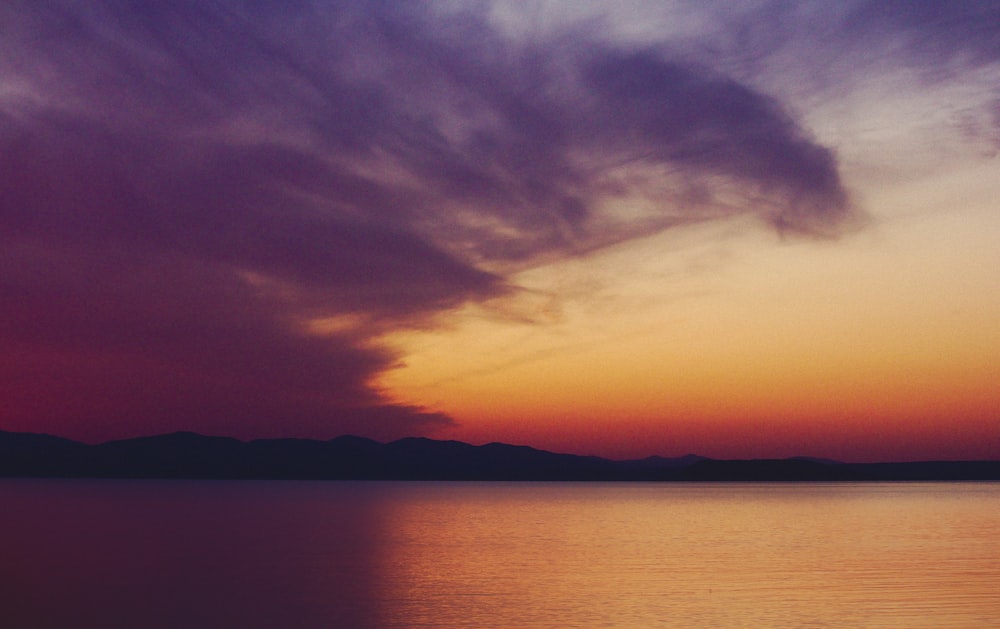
point(754, 229)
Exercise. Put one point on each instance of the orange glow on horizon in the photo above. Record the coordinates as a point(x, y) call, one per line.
point(772, 358)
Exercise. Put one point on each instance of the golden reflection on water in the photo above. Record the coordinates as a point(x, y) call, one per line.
point(668, 555)
point(356, 555)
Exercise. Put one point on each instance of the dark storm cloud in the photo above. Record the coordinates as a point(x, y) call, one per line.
point(187, 184)
point(107, 337)
point(262, 208)
point(714, 126)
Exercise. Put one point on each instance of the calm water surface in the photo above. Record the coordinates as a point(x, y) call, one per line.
point(354, 554)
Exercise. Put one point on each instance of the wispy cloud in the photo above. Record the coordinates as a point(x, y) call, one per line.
point(187, 184)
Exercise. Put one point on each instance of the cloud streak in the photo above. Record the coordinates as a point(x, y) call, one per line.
point(189, 186)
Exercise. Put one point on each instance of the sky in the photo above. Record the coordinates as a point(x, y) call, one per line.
point(755, 229)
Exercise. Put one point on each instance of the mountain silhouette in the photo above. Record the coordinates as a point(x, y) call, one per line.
point(191, 455)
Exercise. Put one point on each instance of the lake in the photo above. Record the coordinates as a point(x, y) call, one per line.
point(102, 553)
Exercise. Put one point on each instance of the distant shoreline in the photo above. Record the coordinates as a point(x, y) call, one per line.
point(186, 455)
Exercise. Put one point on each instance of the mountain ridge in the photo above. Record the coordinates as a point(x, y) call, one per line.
point(186, 454)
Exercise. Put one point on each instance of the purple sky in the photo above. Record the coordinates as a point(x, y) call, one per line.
point(212, 214)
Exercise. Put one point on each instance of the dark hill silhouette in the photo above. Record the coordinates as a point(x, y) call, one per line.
point(661, 463)
point(27, 454)
point(190, 455)
point(179, 454)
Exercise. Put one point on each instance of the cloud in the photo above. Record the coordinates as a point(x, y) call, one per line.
point(930, 33)
point(820, 49)
point(189, 186)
